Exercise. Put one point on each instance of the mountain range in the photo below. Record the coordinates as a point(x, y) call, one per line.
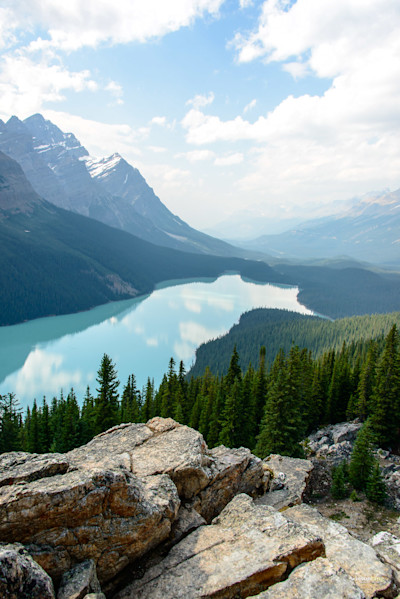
point(55, 261)
point(368, 231)
point(109, 189)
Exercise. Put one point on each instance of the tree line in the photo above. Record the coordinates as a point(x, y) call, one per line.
point(269, 409)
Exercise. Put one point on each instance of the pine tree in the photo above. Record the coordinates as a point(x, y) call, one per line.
point(366, 383)
point(88, 417)
point(259, 395)
point(33, 433)
point(106, 403)
point(376, 488)
point(234, 370)
point(10, 437)
point(130, 402)
point(339, 488)
point(362, 458)
point(71, 429)
point(281, 428)
point(147, 407)
point(45, 436)
point(230, 430)
point(385, 420)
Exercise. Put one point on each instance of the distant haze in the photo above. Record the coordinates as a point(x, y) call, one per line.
point(279, 106)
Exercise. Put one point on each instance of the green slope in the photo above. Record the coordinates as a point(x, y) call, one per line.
point(55, 262)
point(277, 329)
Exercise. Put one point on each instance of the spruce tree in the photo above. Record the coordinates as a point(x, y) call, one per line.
point(130, 402)
point(376, 488)
point(281, 428)
point(339, 488)
point(366, 383)
point(147, 407)
point(10, 437)
point(385, 420)
point(106, 403)
point(88, 417)
point(362, 458)
point(230, 429)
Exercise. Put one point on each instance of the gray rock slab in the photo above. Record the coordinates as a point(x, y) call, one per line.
point(18, 466)
point(109, 516)
point(289, 479)
point(319, 579)
point(79, 581)
point(21, 577)
point(387, 547)
point(230, 472)
point(357, 559)
point(246, 549)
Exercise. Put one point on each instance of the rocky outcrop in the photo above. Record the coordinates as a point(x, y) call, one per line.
point(116, 498)
point(79, 582)
point(387, 546)
point(357, 559)
point(333, 443)
point(289, 481)
point(21, 577)
point(149, 510)
point(245, 550)
point(319, 578)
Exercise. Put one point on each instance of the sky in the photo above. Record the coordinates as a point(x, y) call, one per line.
point(231, 109)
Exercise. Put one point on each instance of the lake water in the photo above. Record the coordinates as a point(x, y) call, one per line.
point(42, 356)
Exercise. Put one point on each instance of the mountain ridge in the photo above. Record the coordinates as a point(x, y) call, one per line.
point(61, 171)
point(55, 261)
point(367, 231)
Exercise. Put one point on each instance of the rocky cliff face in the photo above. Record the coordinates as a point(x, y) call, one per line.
point(148, 511)
point(109, 189)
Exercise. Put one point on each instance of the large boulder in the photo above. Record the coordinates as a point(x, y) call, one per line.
point(333, 443)
point(79, 582)
point(110, 516)
point(387, 546)
point(116, 498)
point(246, 549)
point(344, 551)
point(21, 577)
point(289, 481)
point(319, 578)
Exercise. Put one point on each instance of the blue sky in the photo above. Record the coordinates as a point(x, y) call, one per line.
point(230, 109)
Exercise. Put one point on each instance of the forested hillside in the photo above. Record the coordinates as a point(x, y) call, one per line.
point(268, 409)
point(340, 290)
point(55, 262)
point(280, 329)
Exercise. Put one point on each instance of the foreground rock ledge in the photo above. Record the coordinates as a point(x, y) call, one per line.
point(117, 497)
point(247, 549)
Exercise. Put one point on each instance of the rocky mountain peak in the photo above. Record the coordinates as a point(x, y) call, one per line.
point(47, 137)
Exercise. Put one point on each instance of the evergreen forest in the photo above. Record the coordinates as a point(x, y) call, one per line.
point(267, 408)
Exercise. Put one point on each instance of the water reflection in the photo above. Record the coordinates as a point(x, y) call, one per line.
point(41, 357)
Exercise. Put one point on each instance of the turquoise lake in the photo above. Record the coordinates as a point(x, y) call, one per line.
point(41, 357)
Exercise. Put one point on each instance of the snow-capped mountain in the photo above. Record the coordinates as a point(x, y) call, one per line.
point(110, 190)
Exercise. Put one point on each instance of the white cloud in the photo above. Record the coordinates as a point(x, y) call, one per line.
point(74, 24)
point(199, 101)
point(245, 3)
point(25, 85)
point(198, 155)
point(159, 120)
point(250, 106)
point(315, 148)
point(115, 90)
point(229, 160)
point(157, 149)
